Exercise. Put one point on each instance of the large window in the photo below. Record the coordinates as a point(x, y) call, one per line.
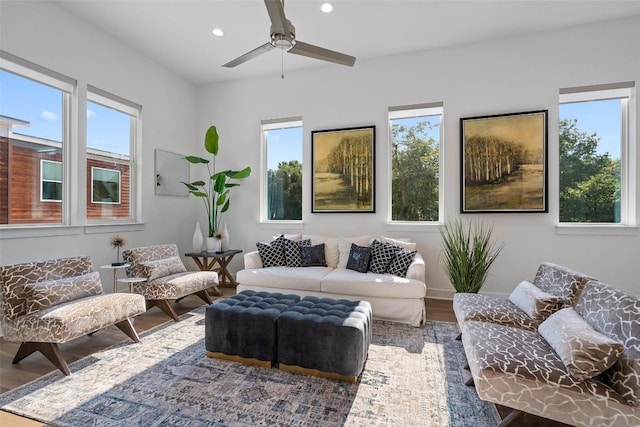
point(111, 144)
point(282, 150)
point(34, 140)
point(594, 161)
point(415, 135)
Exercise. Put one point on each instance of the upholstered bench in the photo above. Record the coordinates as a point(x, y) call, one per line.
point(242, 327)
point(325, 337)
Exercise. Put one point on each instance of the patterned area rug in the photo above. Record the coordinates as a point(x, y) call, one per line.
point(413, 377)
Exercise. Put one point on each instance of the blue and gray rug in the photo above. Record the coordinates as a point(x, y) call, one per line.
point(413, 377)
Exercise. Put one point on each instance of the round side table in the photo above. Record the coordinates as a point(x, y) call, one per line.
point(115, 269)
point(131, 281)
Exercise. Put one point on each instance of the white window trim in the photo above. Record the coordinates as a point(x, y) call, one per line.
point(267, 125)
point(628, 168)
point(134, 111)
point(119, 202)
point(42, 180)
point(405, 112)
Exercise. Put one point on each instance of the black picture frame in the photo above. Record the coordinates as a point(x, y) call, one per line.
point(343, 170)
point(503, 163)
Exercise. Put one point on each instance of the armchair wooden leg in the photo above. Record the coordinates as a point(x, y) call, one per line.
point(459, 336)
point(49, 350)
point(469, 382)
point(512, 417)
point(127, 327)
point(163, 305)
point(204, 296)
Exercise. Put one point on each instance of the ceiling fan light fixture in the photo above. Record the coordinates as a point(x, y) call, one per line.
point(217, 32)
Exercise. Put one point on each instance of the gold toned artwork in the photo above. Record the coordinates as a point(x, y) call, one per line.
point(504, 163)
point(343, 170)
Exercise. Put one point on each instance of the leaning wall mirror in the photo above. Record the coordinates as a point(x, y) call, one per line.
point(171, 170)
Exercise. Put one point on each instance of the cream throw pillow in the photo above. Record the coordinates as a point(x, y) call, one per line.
point(537, 303)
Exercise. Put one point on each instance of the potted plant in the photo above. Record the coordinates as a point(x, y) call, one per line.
point(214, 192)
point(468, 254)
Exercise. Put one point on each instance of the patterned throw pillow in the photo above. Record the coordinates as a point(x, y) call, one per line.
point(41, 295)
point(584, 351)
point(162, 267)
point(381, 256)
point(272, 254)
point(312, 256)
point(401, 262)
point(359, 257)
point(292, 251)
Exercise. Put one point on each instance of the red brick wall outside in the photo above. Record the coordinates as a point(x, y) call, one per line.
point(4, 180)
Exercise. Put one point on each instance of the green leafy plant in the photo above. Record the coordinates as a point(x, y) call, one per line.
point(468, 254)
point(215, 191)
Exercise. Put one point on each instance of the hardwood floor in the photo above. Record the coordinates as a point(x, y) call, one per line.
point(12, 376)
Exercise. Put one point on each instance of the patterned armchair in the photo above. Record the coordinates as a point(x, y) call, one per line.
point(167, 278)
point(46, 303)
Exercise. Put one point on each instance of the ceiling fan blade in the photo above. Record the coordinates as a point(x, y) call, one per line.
point(306, 49)
point(249, 55)
point(278, 19)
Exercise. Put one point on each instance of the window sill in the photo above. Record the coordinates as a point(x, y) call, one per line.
point(427, 227)
point(26, 231)
point(597, 230)
point(282, 225)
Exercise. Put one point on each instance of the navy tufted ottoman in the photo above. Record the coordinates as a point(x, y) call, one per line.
point(325, 337)
point(242, 328)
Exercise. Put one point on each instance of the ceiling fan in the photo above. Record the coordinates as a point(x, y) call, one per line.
point(283, 36)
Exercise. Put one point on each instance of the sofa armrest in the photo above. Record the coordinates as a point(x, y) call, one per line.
point(252, 260)
point(416, 268)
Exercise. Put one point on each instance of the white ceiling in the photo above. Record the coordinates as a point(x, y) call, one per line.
point(177, 33)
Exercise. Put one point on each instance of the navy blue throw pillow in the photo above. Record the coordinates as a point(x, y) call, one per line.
point(359, 257)
point(312, 256)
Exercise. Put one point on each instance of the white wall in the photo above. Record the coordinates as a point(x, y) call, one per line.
point(511, 75)
point(47, 35)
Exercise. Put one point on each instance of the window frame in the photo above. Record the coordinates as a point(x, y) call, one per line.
point(93, 169)
point(134, 111)
point(43, 180)
point(265, 126)
point(624, 91)
point(405, 112)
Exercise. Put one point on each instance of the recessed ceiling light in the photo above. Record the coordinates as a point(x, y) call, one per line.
point(217, 32)
point(326, 7)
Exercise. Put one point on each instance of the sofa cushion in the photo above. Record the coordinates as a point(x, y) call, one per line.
point(584, 351)
point(331, 251)
point(292, 251)
point(401, 262)
point(381, 256)
point(312, 256)
point(359, 257)
point(490, 308)
point(45, 294)
point(615, 314)
point(162, 267)
point(344, 247)
point(272, 253)
point(537, 303)
point(561, 281)
point(348, 282)
point(401, 243)
point(307, 279)
point(518, 369)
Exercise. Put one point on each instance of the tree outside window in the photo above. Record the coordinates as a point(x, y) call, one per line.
point(283, 147)
point(591, 137)
point(415, 164)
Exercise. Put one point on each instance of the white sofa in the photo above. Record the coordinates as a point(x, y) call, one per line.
point(392, 298)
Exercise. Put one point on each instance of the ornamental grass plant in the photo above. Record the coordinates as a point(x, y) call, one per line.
point(469, 253)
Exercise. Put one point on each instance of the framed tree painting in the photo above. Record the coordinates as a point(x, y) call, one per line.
point(343, 175)
point(504, 163)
